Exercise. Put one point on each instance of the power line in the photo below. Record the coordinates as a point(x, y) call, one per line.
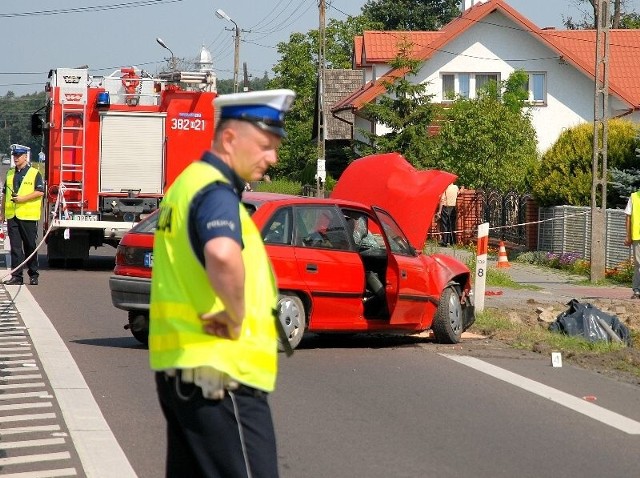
point(95, 8)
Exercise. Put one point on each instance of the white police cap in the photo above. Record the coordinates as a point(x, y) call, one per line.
point(19, 149)
point(265, 109)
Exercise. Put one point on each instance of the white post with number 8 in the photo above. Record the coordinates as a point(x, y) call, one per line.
point(480, 282)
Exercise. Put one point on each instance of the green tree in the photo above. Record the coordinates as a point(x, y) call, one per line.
point(564, 175)
point(620, 17)
point(15, 120)
point(406, 110)
point(489, 141)
point(416, 15)
point(298, 70)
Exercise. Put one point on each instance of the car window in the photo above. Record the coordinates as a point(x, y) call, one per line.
point(250, 207)
point(364, 229)
point(398, 242)
point(148, 224)
point(278, 229)
point(322, 227)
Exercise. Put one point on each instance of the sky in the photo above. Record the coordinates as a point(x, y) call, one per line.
point(39, 35)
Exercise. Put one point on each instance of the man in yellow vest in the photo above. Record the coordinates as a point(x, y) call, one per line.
point(633, 239)
point(21, 207)
point(212, 334)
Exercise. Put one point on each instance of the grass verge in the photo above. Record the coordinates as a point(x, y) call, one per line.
point(601, 356)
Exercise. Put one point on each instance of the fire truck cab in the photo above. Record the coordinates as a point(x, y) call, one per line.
point(113, 145)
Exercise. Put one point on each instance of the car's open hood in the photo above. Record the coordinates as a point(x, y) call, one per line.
point(390, 182)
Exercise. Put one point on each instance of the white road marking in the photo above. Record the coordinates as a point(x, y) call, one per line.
point(13, 396)
point(30, 376)
point(35, 428)
point(15, 460)
point(43, 474)
point(5, 356)
point(22, 385)
point(32, 443)
point(97, 447)
point(31, 416)
point(591, 410)
point(22, 406)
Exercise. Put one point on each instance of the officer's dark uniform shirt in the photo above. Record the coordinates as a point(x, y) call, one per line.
point(17, 182)
point(214, 210)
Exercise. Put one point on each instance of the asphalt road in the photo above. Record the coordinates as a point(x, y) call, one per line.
point(370, 406)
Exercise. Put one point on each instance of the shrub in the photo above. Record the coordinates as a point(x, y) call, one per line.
point(563, 176)
point(281, 186)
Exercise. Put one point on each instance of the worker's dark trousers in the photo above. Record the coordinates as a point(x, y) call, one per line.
point(448, 217)
point(22, 235)
point(229, 438)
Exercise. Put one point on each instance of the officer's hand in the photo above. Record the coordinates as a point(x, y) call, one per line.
point(221, 325)
point(627, 242)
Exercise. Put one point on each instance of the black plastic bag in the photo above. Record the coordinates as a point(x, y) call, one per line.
point(591, 323)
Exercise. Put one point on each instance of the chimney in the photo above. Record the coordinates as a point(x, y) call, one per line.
point(466, 4)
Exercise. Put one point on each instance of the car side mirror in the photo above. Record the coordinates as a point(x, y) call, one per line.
point(37, 125)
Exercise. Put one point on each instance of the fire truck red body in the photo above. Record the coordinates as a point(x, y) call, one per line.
point(114, 144)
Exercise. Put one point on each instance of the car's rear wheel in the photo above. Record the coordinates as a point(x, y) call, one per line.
point(139, 326)
point(293, 318)
point(448, 321)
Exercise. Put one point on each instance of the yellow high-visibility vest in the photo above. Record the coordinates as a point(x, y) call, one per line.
point(635, 216)
point(181, 292)
point(29, 210)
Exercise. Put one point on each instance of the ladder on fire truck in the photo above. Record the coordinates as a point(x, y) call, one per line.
point(72, 152)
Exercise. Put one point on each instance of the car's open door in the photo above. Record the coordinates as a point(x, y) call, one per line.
point(406, 279)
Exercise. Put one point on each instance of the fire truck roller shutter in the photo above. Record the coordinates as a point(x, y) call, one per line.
point(132, 152)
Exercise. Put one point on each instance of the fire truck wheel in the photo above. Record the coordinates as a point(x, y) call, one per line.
point(448, 321)
point(139, 326)
point(293, 318)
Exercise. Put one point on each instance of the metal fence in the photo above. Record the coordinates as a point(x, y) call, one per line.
point(565, 229)
point(505, 213)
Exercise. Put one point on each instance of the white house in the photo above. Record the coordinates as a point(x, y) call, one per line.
point(490, 40)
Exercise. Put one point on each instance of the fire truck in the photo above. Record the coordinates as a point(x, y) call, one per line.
point(113, 145)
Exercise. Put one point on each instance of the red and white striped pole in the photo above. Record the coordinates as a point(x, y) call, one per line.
point(479, 285)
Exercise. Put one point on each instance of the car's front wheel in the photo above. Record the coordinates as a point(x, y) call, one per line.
point(448, 321)
point(293, 318)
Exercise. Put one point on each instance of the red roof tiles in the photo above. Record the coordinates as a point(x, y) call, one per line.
point(574, 46)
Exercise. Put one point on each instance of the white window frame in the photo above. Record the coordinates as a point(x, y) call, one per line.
point(537, 97)
point(464, 84)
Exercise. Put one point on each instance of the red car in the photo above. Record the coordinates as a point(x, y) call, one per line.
point(349, 264)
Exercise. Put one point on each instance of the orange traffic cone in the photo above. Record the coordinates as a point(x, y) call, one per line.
point(503, 260)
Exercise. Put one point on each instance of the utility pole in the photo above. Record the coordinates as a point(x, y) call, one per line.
point(236, 50)
point(321, 174)
point(245, 83)
point(600, 139)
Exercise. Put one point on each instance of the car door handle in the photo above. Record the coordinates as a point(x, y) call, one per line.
point(312, 268)
point(403, 274)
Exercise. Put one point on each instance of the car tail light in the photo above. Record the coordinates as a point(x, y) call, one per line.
point(131, 256)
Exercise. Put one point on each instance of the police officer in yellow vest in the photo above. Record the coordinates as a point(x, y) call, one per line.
point(212, 336)
point(633, 239)
point(21, 207)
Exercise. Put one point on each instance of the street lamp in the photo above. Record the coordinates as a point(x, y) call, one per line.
point(236, 55)
point(173, 58)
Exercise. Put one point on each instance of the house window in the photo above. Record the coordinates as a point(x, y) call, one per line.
point(483, 79)
point(448, 87)
point(537, 88)
point(464, 85)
